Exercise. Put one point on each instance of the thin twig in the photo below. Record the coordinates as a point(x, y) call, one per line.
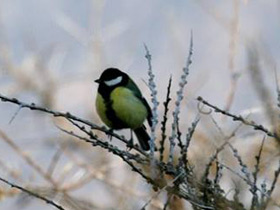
point(33, 194)
point(164, 121)
point(261, 89)
point(239, 118)
point(183, 161)
point(55, 160)
point(234, 76)
point(219, 174)
point(27, 158)
point(245, 180)
point(218, 150)
point(125, 156)
point(95, 141)
point(161, 190)
point(255, 175)
point(180, 96)
point(66, 115)
point(276, 175)
point(14, 116)
point(152, 87)
point(93, 136)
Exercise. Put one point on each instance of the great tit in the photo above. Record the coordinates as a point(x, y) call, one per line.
point(120, 104)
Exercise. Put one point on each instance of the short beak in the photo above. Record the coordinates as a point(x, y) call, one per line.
point(97, 81)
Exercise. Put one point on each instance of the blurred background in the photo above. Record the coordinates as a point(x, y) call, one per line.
point(52, 51)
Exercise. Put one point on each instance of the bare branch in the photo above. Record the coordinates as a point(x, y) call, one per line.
point(240, 118)
point(152, 86)
point(50, 202)
point(180, 96)
point(164, 121)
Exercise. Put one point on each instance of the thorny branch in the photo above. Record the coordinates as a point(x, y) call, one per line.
point(239, 118)
point(200, 193)
point(152, 86)
point(32, 194)
point(66, 115)
point(127, 157)
point(180, 96)
point(164, 121)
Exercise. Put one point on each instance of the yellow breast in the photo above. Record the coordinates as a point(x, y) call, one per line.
point(101, 110)
point(128, 108)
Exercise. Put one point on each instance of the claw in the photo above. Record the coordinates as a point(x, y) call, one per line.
point(110, 137)
point(129, 145)
point(130, 142)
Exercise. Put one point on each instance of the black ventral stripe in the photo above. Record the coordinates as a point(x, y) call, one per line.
point(105, 92)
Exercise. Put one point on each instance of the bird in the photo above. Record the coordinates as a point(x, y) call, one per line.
point(120, 105)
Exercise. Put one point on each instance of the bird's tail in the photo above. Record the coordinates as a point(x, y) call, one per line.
point(143, 137)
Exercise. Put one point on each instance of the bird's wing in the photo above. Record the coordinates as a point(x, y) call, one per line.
point(132, 86)
point(150, 116)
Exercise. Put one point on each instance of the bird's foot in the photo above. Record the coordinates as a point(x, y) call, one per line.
point(130, 144)
point(110, 137)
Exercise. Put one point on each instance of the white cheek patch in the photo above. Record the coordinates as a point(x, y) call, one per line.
point(113, 81)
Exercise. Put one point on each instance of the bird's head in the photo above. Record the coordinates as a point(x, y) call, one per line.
point(112, 77)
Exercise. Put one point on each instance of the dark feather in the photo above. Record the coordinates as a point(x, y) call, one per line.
point(143, 137)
